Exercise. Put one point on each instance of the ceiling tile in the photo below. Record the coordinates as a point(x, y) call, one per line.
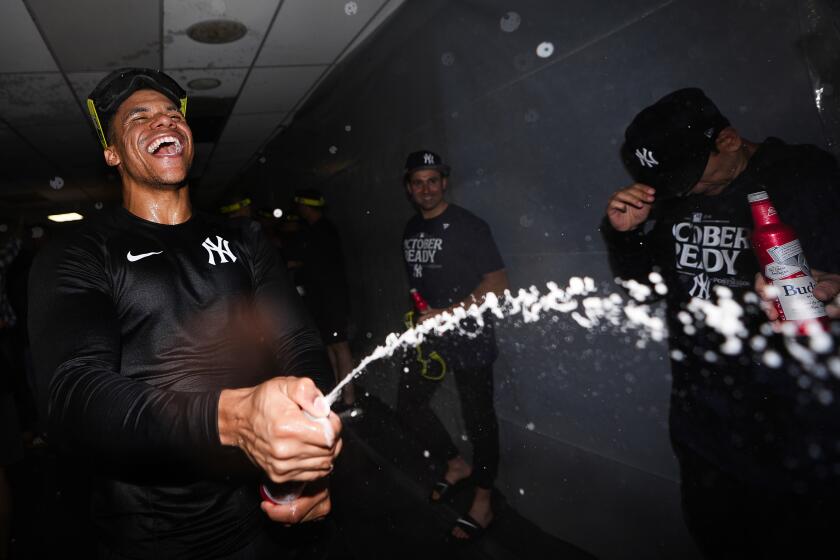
point(18, 190)
point(13, 148)
point(308, 32)
point(247, 128)
point(72, 144)
point(182, 52)
point(71, 195)
point(21, 46)
point(272, 90)
point(37, 98)
point(84, 82)
point(97, 35)
point(230, 78)
point(379, 19)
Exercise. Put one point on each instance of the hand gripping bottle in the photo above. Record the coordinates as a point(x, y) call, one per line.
point(288, 492)
point(783, 265)
point(420, 303)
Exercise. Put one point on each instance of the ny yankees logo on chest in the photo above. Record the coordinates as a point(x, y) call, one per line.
point(220, 249)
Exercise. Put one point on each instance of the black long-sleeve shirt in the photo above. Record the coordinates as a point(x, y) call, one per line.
point(730, 408)
point(136, 328)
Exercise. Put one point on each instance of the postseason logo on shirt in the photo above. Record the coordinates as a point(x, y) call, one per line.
point(708, 247)
point(420, 252)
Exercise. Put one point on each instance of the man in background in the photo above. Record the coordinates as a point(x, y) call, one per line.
point(756, 450)
point(452, 261)
point(325, 284)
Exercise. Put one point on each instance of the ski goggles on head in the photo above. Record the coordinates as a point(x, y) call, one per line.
point(310, 199)
point(116, 87)
point(234, 206)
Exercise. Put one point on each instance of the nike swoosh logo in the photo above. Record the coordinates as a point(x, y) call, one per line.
point(132, 258)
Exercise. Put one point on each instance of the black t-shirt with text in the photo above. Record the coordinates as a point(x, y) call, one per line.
point(446, 258)
point(730, 408)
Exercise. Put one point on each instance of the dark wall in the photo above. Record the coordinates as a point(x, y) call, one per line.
point(533, 143)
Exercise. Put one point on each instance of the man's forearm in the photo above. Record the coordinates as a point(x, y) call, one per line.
point(628, 253)
point(232, 414)
point(495, 282)
point(94, 410)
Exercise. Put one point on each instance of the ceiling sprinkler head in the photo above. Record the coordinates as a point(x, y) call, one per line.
point(56, 183)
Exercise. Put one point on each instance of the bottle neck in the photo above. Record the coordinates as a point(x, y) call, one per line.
point(419, 302)
point(764, 213)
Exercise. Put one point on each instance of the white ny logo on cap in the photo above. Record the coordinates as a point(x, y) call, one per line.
point(429, 159)
point(646, 158)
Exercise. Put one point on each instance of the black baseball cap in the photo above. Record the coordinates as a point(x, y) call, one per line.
point(117, 86)
point(424, 159)
point(668, 144)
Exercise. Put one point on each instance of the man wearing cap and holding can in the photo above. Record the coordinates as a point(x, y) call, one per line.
point(146, 328)
point(754, 448)
point(452, 261)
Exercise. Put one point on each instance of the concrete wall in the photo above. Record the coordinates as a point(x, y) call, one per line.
point(534, 147)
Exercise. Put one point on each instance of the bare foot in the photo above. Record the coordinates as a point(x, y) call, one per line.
point(456, 469)
point(480, 511)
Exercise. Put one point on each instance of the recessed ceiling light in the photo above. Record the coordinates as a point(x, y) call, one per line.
point(278, 213)
point(69, 217)
point(216, 31)
point(204, 83)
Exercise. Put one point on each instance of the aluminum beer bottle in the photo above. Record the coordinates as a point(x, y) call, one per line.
point(421, 304)
point(783, 264)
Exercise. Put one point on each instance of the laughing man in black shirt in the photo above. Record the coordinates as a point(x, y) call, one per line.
point(157, 333)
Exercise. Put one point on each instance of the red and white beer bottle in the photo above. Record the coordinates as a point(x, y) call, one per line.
point(784, 266)
point(421, 304)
